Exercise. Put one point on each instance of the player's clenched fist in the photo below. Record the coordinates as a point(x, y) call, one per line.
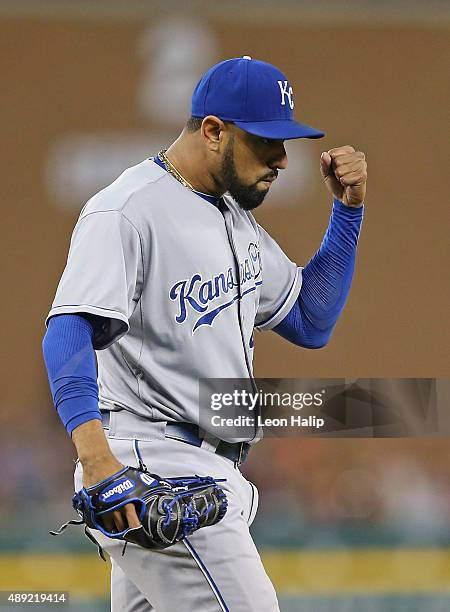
point(344, 171)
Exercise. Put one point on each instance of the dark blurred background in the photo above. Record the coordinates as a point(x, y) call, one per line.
point(90, 88)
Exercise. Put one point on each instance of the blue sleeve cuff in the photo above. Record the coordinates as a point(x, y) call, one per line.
point(81, 417)
point(352, 211)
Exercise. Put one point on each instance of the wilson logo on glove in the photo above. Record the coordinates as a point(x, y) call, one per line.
point(117, 490)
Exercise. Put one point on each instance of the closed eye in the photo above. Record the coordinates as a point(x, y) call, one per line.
point(270, 141)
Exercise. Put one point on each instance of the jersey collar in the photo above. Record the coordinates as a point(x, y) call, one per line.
point(215, 201)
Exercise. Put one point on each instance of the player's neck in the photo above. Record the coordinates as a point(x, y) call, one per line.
point(188, 161)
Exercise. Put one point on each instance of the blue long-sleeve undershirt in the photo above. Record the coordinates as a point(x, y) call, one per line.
point(70, 359)
point(326, 281)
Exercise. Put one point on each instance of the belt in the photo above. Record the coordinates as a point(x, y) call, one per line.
point(190, 434)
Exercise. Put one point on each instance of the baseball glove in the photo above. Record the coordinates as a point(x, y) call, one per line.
point(169, 509)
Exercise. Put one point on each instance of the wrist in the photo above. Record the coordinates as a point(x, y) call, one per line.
point(340, 206)
point(342, 203)
point(101, 469)
point(91, 443)
point(94, 459)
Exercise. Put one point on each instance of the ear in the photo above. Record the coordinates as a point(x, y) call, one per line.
point(214, 132)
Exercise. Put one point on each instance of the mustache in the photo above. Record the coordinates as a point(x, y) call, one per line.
point(270, 176)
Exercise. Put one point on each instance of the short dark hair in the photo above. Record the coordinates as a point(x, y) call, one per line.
point(193, 124)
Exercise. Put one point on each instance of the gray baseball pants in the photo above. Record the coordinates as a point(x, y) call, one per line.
point(218, 568)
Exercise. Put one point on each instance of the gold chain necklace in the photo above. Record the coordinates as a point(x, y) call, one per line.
point(172, 170)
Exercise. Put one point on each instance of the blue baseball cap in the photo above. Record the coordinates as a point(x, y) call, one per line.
point(254, 95)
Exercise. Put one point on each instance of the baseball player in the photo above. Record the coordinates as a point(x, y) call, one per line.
point(168, 275)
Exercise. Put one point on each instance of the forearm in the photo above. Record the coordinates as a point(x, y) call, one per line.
point(328, 276)
point(70, 360)
point(94, 453)
point(326, 282)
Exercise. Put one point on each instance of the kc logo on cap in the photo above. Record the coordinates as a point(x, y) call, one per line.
point(286, 92)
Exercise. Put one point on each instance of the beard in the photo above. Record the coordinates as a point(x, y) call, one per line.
point(247, 196)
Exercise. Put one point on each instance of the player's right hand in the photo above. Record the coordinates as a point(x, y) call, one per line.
point(98, 464)
point(119, 519)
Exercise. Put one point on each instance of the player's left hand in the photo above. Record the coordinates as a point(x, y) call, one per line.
point(344, 171)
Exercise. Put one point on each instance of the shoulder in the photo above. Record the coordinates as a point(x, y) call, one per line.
point(132, 185)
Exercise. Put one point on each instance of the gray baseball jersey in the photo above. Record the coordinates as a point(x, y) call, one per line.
point(181, 285)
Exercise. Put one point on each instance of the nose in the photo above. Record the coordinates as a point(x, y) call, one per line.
point(278, 159)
